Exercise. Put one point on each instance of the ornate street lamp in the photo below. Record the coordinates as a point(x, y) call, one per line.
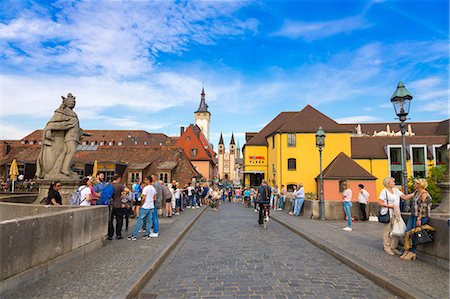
point(320, 143)
point(401, 99)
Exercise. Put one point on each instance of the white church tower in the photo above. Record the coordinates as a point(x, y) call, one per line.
point(202, 116)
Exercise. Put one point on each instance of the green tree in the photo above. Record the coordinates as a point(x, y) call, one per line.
point(435, 176)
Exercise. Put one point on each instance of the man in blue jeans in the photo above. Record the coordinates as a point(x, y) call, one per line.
point(300, 199)
point(158, 205)
point(146, 212)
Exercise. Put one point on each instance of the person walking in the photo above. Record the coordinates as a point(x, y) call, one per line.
point(53, 197)
point(190, 196)
point(363, 198)
point(127, 199)
point(167, 196)
point(198, 195)
point(389, 201)
point(276, 197)
point(293, 200)
point(254, 198)
point(178, 198)
point(215, 196)
point(420, 215)
point(246, 197)
point(118, 208)
point(283, 193)
point(347, 197)
point(146, 213)
point(137, 191)
point(300, 199)
point(158, 205)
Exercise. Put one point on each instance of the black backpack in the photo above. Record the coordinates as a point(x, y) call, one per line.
point(265, 196)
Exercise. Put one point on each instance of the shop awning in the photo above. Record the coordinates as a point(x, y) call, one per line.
point(253, 172)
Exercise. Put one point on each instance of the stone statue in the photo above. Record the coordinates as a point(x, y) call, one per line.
point(60, 138)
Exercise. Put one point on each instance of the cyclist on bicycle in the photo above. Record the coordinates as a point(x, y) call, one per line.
point(264, 193)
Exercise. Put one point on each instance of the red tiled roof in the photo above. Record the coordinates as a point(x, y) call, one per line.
point(193, 138)
point(308, 120)
point(418, 128)
point(270, 128)
point(374, 147)
point(343, 167)
point(129, 155)
point(128, 137)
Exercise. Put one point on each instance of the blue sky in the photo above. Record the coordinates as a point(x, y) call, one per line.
point(141, 64)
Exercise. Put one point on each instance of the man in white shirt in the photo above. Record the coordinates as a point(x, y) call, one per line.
point(300, 199)
point(363, 197)
point(347, 196)
point(146, 211)
point(190, 194)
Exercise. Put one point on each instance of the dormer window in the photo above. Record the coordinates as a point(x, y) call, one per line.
point(119, 143)
point(84, 143)
point(145, 143)
point(23, 142)
point(31, 142)
point(135, 142)
point(111, 143)
point(40, 142)
point(93, 142)
point(102, 143)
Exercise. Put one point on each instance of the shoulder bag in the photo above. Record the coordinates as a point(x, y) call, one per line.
point(386, 217)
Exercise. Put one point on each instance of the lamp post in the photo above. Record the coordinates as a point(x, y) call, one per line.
point(320, 143)
point(401, 99)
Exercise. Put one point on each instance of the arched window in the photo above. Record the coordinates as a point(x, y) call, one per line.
point(292, 164)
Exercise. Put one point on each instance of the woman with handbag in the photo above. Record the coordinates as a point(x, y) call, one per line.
point(420, 213)
point(389, 201)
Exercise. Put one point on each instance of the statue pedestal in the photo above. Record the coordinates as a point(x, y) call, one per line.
point(68, 186)
point(444, 206)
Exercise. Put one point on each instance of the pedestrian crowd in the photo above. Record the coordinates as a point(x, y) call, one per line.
point(142, 200)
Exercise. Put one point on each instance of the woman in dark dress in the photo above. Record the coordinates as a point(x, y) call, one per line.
point(53, 197)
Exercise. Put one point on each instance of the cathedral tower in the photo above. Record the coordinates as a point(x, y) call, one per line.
point(221, 157)
point(202, 116)
point(232, 157)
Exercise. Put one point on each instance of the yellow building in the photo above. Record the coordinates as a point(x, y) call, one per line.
point(284, 151)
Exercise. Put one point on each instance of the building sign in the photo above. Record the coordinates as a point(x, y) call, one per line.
point(256, 158)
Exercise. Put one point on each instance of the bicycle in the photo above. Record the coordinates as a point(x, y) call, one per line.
point(266, 216)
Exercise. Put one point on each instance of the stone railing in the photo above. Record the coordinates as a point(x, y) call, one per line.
point(33, 238)
point(334, 210)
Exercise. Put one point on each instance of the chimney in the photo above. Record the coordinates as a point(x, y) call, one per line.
point(6, 148)
point(181, 130)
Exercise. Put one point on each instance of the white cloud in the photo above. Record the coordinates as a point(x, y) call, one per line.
point(161, 91)
point(436, 107)
point(116, 38)
point(318, 30)
point(9, 131)
point(357, 119)
point(431, 88)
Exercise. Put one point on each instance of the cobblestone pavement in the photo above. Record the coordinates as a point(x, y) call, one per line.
point(227, 255)
point(365, 243)
point(100, 273)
